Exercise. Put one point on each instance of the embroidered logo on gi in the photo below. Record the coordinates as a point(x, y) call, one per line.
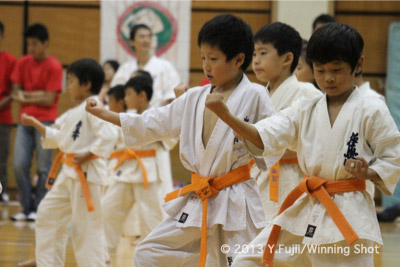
point(119, 173)
point(230, 261)
point(246, 119)
point(183, 217)
point(310, 230)
point(75, 134)
point(351, 148)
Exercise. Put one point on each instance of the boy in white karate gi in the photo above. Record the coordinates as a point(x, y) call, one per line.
point(135, 171)
point(277, 50)
point(227, 207)
point(342, 139)
point(84, 142)
point(165, 78)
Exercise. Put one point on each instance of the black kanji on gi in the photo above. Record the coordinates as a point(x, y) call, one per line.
point(246, 119)
point(351, 147)
point(75, 134)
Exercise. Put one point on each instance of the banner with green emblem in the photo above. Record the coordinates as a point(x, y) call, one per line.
point(170, 24)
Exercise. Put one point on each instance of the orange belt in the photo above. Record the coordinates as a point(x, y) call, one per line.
point(69, 160)
point(274, 178)
point(129, 154)
point(320, 189)
point(206, 187)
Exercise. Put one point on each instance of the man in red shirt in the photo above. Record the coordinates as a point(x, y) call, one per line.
point(37, 81)
point(7, 63)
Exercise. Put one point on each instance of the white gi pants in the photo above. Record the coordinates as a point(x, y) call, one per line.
point(63, 204)
point(119, 202)
point(169, 245)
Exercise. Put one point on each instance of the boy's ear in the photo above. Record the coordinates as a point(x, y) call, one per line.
point(239, 60)
point(288, 59)
point(143, 95)
point(87, 86)
point(46, 44)
point(359, 65)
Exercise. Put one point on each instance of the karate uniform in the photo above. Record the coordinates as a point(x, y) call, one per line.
point(290, 174)
point(235, 214)
point(128, 189)
point(165, 78)
point(305, 127)
point(79, 132)
point(365, 89)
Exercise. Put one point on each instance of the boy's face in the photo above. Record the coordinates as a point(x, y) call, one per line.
point(116, 106)
point(108, 72)
point(303, 71)
point(334, 78)
point(216, 69)
point(267, 64)
point(132, 99)
point(142, 41)
point(76, 90)
point(36, 48)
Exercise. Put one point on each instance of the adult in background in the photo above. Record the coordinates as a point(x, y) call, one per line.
point(37, 81)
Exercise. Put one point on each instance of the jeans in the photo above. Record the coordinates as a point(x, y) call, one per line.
point(26, 141)
point(5, 131)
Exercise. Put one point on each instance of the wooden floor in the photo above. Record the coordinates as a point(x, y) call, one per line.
point(17, 243)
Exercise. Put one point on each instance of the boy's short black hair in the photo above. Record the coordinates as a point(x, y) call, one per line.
point(146, 75)
point(38, 31)
point(335, 41)
point(117, 91)
point(323, 18)
point(1, 29)
point(135, 28)
point(284, 38)
point(113, 63)
point(304, 43)
point(140, 83)
point(88, 70)
point(231, 35)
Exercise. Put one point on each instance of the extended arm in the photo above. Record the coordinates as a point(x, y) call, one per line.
point(95, 108)
point(31, 121)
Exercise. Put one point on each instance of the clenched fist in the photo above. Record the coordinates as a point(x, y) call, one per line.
point(215, 103)
point(94, 107)
point(180, 89)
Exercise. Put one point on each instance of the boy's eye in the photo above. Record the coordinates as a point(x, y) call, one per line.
point(336, 70)
point(213, 58)
point(263, 53)
point(320, 71)
point(203, 58)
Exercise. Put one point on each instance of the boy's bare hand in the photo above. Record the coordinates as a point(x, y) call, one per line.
point(81, 158)
point(357, 167)
point(215, 103)
point(180, 89)
point(94, 107)
point(27, 120)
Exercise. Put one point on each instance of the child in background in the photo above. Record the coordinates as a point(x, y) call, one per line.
point(110, 67)
point(277, 50)
point(303, 71)
point(75, 197)
point(135, 172)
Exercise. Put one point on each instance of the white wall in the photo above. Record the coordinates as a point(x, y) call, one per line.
point(300, 14)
